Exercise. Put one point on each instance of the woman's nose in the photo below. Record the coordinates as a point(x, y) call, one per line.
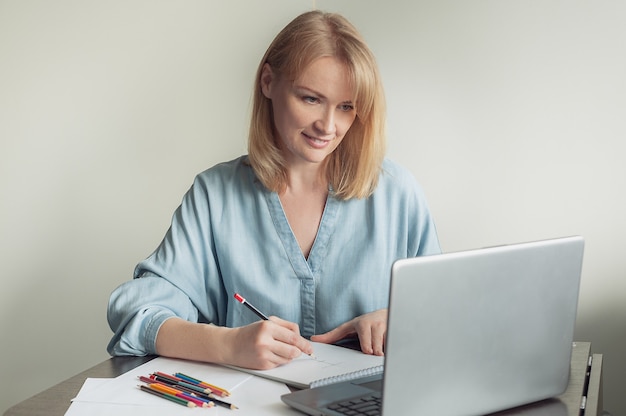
point(326, 123)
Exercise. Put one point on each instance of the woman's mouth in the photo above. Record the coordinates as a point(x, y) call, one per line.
point(316, 142)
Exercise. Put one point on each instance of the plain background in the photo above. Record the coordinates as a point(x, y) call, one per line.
point(511, 114)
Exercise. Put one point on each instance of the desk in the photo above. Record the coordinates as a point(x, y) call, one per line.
point(585, 386)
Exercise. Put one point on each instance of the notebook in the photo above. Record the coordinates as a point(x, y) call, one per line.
point(471, 333)
point(330, 364)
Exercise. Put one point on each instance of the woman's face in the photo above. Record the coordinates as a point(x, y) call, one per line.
point(313, 113)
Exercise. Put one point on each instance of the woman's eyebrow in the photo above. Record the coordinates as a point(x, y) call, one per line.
point(318, 94)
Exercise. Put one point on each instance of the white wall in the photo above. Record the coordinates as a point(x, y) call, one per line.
point(509, 113)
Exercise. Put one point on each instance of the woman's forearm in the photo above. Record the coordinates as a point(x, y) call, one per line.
point(178, 338)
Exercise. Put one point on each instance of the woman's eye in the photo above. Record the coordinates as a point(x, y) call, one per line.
point(346, 107)
point(309, 99)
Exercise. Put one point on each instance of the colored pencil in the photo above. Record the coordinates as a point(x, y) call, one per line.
point(178, 393)
point(223, 403)
point(217, 390)
point(178, 385)
point(167, 396)
point(167, 376)
point(158, 379)
point(180, 382)
point(204, 397)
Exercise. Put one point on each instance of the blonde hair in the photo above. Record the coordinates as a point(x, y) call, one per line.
point(354, 167)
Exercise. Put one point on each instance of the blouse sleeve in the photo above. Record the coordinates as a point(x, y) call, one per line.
point(138, 308)
point(180, 279)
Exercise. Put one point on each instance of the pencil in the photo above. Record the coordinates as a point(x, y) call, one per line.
point(260, 314)
point(177, 381)
point(222, 403)
point(167, 396)
point(185, 396)
point(244, 302)
point(208, 397)
point(167, 380)
point(160, 380)
point(215, 389)
point(199, 391)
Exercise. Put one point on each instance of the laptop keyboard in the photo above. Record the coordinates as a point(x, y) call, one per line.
point(363, 406)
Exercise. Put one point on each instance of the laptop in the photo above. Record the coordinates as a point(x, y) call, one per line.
point(470, 333)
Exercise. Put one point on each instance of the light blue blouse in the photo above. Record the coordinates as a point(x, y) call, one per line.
point(230, 235)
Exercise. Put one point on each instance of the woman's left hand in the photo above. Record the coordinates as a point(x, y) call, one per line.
point(371, 328)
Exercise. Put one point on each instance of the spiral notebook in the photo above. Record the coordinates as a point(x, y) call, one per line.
point(331, 364)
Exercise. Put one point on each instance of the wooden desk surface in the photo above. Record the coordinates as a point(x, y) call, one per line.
point(56, 400)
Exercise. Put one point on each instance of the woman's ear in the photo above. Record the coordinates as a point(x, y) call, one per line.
point(267, 80)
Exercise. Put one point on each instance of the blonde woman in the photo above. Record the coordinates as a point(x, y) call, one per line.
point(305, 227)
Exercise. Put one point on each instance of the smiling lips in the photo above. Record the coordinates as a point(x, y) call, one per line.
point(315, 142)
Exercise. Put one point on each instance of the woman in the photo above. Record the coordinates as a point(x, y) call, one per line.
point(306, 226)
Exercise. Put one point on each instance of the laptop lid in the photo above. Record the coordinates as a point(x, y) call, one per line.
point(473, 332)
point(483, 330)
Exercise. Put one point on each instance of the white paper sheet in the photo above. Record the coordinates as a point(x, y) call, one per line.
point(120, 396)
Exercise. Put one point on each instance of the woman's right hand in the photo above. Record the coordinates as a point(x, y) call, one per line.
point(261, 345)
point(266, 344)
